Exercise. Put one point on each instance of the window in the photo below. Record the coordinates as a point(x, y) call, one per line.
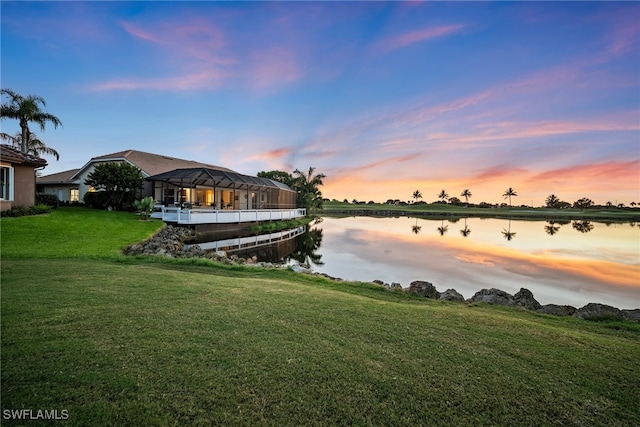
point(74, 195)
point(6, 183)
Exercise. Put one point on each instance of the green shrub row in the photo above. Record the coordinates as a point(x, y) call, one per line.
point(279, 225)
point(17, 211)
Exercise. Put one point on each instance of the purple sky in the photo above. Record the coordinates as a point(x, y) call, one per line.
point(384, 98)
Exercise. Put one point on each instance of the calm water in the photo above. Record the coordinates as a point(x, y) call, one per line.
point(573, 263)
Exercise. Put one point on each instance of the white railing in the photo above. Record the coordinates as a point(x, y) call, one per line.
point(210, 216)
point(249, 242)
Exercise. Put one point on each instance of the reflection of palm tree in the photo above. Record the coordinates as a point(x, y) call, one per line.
point(465, 231)
point(508, 234)
point(443, 228)
point(416, 228)
point(510, 192)
point(582, 226)
point(306, 245)
point(551, 228)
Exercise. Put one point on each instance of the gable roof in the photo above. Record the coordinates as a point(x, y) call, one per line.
point(12, 155)
point(58, 178)
point(149, 163)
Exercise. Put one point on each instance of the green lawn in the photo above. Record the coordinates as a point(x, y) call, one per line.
point(125, 341)
point(446, 210)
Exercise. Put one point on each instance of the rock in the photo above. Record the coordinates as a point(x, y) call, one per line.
point(595, 311)
point(424, 289)
point(395, 286)
point(494, 296)
point(525, 299)
point(451, 295)
point(299, 269)
point(557, 310)
point(633, 315)
point(378, 282)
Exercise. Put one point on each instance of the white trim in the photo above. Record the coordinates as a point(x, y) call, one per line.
point(10, 184)
point(211, 216)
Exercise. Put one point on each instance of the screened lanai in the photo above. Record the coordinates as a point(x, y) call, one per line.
point(220, 189)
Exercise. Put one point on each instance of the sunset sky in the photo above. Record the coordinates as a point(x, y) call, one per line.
point(383, 98)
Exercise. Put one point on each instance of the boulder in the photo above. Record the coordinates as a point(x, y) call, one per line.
point(525, 298)
point(424, 289)
point(557, 310)
point(451, 295)
point(494, 296)
point(395, 286)
point(595, 311)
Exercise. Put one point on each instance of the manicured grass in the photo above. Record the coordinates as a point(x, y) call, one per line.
point(445, 210)
point(127, 341)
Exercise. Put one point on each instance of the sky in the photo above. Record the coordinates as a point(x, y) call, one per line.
point(384, 98)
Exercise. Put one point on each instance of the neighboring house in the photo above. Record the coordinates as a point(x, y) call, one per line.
point(61, 185)
point(18, 177)
point(149, 163)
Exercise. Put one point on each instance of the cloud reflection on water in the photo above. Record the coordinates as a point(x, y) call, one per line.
point(567, 268)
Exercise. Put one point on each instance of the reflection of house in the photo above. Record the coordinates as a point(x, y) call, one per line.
point(71, 183)
point(60, 184)
point(18, 177)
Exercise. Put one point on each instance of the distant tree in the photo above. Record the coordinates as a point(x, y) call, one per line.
point(583, 203)
point(279, 176)
point(455, 201)
point(26, 110)
point(582, 226)
point(307, 186)
point(510, 192)
point(466, 194)
point(121, 181)
point(552, 201)
point(34, 145)
point(443, 196)
point(416, 195)
point(633, 204)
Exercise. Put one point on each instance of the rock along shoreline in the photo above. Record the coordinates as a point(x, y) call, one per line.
point(169, 242)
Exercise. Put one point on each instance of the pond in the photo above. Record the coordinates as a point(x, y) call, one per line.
point(573, 263)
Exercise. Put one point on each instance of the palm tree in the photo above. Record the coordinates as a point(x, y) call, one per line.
point(306, 185)
point(27, 109)
point(443, 228)
point(443, 196)
point(510, 192)
point(34, 145)
point(466, 194)
point(416, 195)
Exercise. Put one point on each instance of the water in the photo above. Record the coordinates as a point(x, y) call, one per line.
point(573, 263)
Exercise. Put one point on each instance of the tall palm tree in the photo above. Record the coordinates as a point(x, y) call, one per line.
point(306, 185)
point(466, 194)
point(510, 192)
point(25, 110)
point(33, 146)
point(443, 196)
point(416, 195)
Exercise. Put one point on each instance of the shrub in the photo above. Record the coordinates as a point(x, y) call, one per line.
point(47, 199)
point(96, 199)
point(17, 211)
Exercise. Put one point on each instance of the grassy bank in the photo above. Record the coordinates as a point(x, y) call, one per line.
point(150, 342)
point(447, 210)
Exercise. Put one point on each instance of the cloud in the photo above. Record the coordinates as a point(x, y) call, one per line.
point(406, 39)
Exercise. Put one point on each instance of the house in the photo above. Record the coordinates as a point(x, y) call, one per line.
point(61, 185)
point(18, 177)
point(70, 186)
point(188, 192)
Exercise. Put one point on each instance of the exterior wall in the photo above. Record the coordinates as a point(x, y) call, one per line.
point(147, 188)
point(24, 187)
point(62, 192)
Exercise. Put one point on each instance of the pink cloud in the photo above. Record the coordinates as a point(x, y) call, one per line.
point(272, 67)
point(412, 37)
